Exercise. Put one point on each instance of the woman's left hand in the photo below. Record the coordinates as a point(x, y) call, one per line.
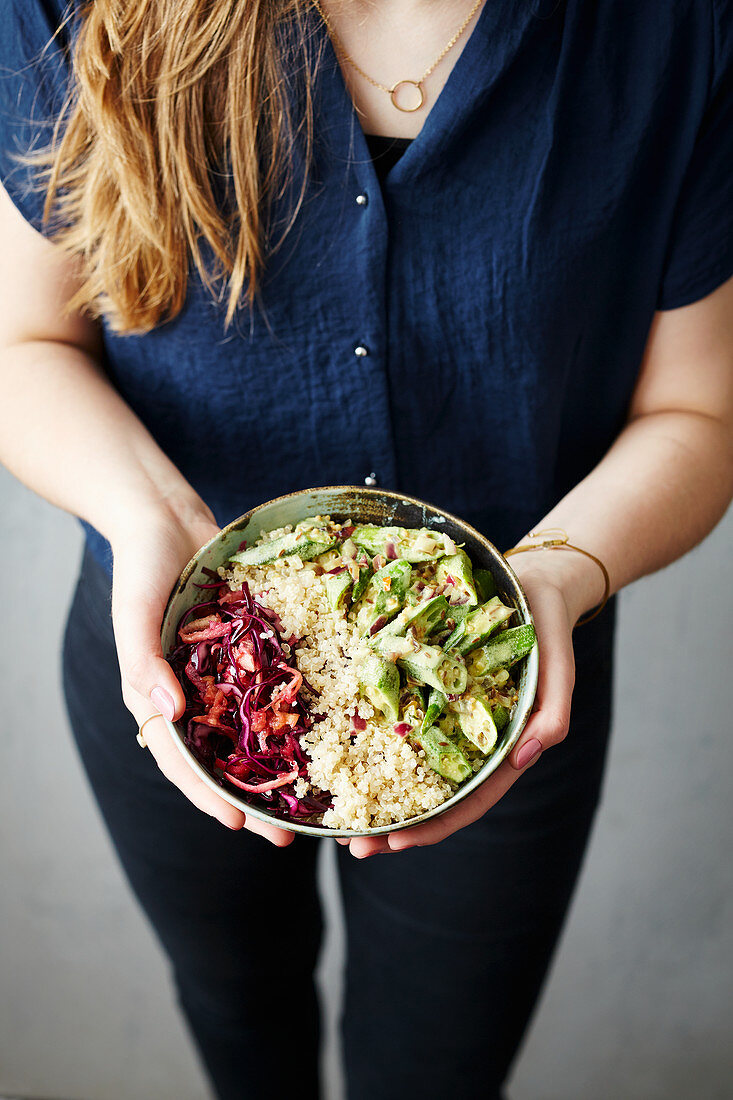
point(559, 586)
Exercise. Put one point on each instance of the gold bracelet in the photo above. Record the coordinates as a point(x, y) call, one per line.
point(560, 542)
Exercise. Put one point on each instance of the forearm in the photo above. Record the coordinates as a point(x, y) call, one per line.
point(68, 435)
point(660, 490)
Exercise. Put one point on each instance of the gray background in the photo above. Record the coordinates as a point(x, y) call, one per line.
point(639, 1003)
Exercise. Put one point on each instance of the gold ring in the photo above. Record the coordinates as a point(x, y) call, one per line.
point(140, 737)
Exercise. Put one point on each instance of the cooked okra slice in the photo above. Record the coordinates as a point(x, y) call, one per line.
point(427, 664)
point(485, 584)
point(337, 588)
point(443, 756)
point(365, 575)
point(456, 573)
point(436, 705)
point(398, 542)
point(379, 680)
point(475, 720)
point(421, 619)
point(306, 546)
point(503, 651)
point(383, 597)
point(475, 629)
point(501, 716)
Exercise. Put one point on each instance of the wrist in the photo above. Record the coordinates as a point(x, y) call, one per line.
point(578, 578)
point(137, 514)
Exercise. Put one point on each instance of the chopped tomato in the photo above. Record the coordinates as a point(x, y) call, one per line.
point(244, 655)
point(204, 630)
point(283, 719)
point(258, 721)
point(228, 596)
point(217, 706)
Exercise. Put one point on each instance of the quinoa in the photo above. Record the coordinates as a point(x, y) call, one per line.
point(375, 776)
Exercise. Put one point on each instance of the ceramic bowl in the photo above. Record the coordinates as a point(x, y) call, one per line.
point(362, 505)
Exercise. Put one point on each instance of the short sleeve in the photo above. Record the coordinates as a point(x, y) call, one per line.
point(34, 77)
point(700, 252)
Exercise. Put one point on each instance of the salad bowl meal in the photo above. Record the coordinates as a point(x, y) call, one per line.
point(354, 661)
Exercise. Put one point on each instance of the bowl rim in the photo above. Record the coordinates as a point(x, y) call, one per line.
point(520, 716)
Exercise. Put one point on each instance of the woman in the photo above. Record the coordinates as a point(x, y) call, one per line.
point(481, 254)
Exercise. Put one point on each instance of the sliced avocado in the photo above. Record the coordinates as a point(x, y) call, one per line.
point(337, 587)
point(456, 572)
point(379, 680)
point(478, 625)
point(442, 755)
point(474, 717)
point(309, 545)
point(384, 595)
point(485, 584)
point(410, 545)
point(503, 651)
point(421, 619)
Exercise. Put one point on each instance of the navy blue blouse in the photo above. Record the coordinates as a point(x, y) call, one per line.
point(470, 332)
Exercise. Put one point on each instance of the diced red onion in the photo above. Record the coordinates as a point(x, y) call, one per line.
point(378, 623)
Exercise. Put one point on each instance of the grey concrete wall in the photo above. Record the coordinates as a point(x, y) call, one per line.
point(639, 1002)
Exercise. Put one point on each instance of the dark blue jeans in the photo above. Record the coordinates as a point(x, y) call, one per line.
point(448, 946)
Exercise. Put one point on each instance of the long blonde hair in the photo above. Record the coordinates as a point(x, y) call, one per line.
point(167, 97)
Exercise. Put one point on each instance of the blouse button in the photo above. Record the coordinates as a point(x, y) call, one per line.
point(370, 479)
point(360, 351)
point(362, 199)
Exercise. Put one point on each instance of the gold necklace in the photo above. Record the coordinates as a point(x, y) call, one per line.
point(403, 85)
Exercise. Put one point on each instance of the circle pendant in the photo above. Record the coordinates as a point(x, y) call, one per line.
point(407, 96)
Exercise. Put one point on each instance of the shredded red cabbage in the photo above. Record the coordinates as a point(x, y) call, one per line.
point(245, 711)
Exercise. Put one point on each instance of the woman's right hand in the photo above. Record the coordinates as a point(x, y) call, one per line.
point(152, 517)
point(149, 555)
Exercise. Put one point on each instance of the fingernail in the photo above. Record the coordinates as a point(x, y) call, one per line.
point(528, 753)
point(163, 700)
